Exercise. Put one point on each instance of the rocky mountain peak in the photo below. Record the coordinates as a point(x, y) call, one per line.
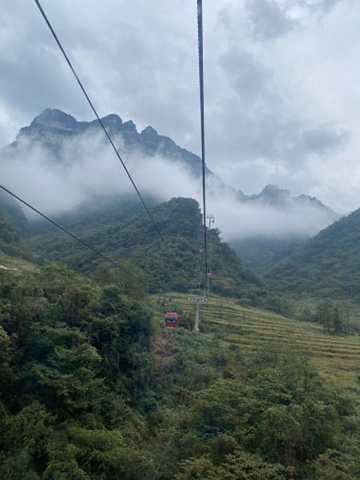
point(58, 133)
point(130, 126)
point(274, 192)
point(149, 131)
point(273, 195)
point(51, 117)
point(112, 120)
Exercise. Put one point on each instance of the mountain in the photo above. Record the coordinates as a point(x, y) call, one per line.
point(327, 265)
point(69, 162)
point(267, 245)
point(273, 195)
point(93, 385)
point(176, 265)
point(170, 266)
point(53, 129)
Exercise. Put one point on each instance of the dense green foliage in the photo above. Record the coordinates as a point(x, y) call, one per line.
point(74, 358)
point(13, 228)
point(91, 387)
point(95, 212)
point(177, 266)
point(91, 391)
point(327, 265)
point(333, 316)
point(261, 253)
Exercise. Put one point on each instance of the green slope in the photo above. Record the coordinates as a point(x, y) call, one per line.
point(327, 265)
point(96, 212)
point(176, 266)
point(14, 230)
point(260, 254)
point(336, 357)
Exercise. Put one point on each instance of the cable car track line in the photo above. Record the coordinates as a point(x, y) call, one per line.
point(99, 120)
point(202, 120)
point(85, 244)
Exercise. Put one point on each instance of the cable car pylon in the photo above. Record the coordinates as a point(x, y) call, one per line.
point(199, 295)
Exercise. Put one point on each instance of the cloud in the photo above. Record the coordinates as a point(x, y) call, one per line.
point(247, 220)
point(280, 80)
point(248, 78)
point(90, 169)
point(273, 19)
point(34, 72)
point(270, 18)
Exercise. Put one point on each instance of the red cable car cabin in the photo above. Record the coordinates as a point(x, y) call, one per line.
point(171, 319)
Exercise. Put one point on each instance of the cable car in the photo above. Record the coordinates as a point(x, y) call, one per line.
point(171, 319)
point(209, 275)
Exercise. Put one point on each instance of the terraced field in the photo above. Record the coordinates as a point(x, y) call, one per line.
point(336, 357)
point(11, 263)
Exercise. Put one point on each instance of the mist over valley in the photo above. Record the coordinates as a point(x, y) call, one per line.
point(58, 164)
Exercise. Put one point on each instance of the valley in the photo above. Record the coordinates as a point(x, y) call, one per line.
point(268, 388)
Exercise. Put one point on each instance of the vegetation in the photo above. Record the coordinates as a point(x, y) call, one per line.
point(13, 229)
point(93, 387)
point(174, 266)
point(260, 254)
point(327, 265)
point(74, 358)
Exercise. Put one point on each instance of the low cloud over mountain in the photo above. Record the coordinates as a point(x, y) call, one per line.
point(57, 163)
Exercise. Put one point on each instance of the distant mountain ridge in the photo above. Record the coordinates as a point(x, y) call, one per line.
point(53, 127)
point(273, 195)
point(257, 226)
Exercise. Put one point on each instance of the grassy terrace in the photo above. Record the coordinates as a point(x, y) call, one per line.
point(15, 264)
point(337, 358)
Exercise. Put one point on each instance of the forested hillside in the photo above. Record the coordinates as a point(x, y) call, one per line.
point(174, 266)
point(95, 213)
point(13, 228)
point(94, 387)
point(260, 254)
point(327, 265)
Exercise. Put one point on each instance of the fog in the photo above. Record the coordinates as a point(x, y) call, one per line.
point(88, 167)
point(243, 220)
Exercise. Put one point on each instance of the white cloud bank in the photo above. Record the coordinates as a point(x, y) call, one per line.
point(89, 168)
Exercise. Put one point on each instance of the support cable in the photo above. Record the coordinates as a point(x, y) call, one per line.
point(100, 121)
point(202, 119)
point(73, 236)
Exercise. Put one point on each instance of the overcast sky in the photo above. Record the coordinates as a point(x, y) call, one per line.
point(282, 81)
